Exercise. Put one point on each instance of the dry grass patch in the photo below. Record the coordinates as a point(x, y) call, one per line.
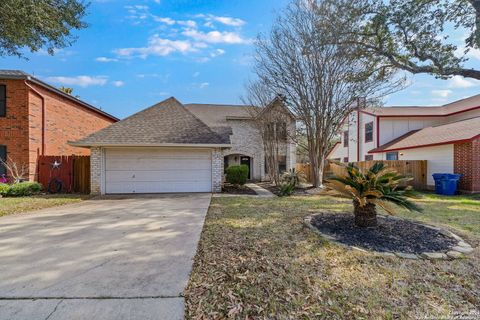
point(257, 261)
point(22, 204)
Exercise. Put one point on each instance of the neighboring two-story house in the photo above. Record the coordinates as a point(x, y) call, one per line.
point(172, 147)
point(447, 136)
point(38, 119)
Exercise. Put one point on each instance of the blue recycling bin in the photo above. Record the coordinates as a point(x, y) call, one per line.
point(446, 183)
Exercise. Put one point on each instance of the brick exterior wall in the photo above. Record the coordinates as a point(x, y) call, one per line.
point(96, 163)
point(467, 162)
point(217, 170)
point(14, 126)
point(65, 120)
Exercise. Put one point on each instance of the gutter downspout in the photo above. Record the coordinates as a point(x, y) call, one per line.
point(358, 133)
point(43, 115)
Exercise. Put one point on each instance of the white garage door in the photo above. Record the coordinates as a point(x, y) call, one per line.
point(156, 170)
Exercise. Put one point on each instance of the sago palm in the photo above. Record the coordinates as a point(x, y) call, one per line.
point(378, 185)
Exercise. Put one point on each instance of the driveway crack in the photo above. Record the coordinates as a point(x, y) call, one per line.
point(54, 309)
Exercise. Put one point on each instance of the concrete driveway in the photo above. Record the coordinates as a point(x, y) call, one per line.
point(113, 258)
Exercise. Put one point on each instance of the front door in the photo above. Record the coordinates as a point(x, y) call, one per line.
point(246, 161)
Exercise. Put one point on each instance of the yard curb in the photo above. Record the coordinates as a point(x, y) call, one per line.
point(457, 251)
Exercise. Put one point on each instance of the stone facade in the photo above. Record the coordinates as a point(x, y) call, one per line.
point(96, 169)
point(64, 120)
point(217, 170)
point(247, 140)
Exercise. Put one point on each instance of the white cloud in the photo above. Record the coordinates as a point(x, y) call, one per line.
point(203, 85)
point(137, 13)
point(215, 36)
point(158, 47)
point(165, 20)
point(217, 52)
point(234, 22)
point(81, 81)
point(442, 93)
point(461, 82)
point(105, 59)
point(187, 23)
point(229, 21)
point(118, 83)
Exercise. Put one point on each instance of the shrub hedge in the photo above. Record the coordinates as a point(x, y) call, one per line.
point(20, 189)
point(237, 174)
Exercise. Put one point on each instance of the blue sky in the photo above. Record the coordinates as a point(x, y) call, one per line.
point(136, 53)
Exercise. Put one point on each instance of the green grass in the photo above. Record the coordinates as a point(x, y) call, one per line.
point(22, 204)
point(257, 261)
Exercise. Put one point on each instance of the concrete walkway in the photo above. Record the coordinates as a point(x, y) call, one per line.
point(260, 191)
point(115, 258)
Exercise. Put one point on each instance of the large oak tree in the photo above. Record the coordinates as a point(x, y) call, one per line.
point(415, 35)
point(39, 24)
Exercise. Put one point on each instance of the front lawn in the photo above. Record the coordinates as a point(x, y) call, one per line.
point(256, 260)
point(22, 204)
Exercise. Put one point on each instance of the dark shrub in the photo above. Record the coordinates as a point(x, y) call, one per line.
point(289, 182)
point(22, 189)
point(237, 174)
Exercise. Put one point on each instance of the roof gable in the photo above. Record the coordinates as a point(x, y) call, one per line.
point(167, 122)
point(454, 132)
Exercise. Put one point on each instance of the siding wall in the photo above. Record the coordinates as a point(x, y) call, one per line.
point(439, 159)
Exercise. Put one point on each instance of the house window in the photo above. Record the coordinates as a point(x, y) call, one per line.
point(3, 100)
point(345, 139)
point(345, 159)
point(282, 164)
point(3, 157)
point(282, 131)
point(369, 132)
point(392, 155)
point(368, 157)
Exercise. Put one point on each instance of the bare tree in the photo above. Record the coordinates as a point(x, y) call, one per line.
point(304, 60)
point(17, 171)
point(271, 120)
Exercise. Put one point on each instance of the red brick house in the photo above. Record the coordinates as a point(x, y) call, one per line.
point(38, 119)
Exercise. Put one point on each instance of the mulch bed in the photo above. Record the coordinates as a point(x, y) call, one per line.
point(232, 189)
point(390, 235)
point(276, 190)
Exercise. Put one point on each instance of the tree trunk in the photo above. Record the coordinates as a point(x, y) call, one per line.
point(365, 216)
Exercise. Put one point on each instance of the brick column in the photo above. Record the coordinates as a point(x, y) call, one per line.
point(467, 163)
point(96, 163)
point(217, 170)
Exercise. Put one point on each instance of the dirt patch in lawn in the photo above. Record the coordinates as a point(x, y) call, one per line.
point(233, 189)
point(390, 235)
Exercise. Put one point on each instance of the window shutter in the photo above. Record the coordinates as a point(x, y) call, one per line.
point(3, 156)
point(3, 100)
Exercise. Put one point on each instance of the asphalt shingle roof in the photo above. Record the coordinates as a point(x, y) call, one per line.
point(463, 130)
point(444, 110)
point(167, 122)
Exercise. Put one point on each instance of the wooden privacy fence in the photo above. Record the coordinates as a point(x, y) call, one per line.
point(67, 173)
point(416, 169)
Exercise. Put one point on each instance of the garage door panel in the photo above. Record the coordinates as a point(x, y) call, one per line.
point(156, 154)
point(154, 187)
point(157, 164)
point(158, 175)
point(157, 170)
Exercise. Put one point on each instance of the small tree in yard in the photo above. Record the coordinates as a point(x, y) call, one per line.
point(271, 121)
point(377, 186)
point(304, 59)
point(17, 171)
